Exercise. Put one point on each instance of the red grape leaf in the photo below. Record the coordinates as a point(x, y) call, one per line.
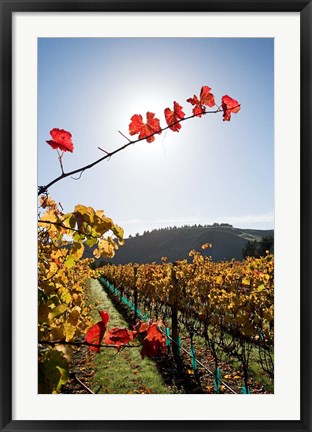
point(141, 327)
point(153, 333)
point(154, 342)
point(174, 116)
point(206, 99)
point(118, 336)
point(61, 139)
point(96, 333)
point(229, 106)
point(145, 129)
point(104, 316)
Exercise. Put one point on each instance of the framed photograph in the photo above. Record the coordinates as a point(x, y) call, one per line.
point(155, 215)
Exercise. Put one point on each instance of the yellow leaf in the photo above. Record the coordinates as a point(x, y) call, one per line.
point(69, 331)
point(79, 208)
point(49, 216)
point(73, 317)
point(58, 310)
point(65, 295)
point(118, 231)
point(219, 280)
point(77, 250)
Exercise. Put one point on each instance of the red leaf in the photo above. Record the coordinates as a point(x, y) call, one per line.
point(104, 316)
point(206, 99)
point(199, 110)
point(154, 342)
point(153, 333)
point(95, 333)
point(141, 327)
point(229, 106)
point(61, 139)
point(118, 336)
point(174, 116)
point(145, 129)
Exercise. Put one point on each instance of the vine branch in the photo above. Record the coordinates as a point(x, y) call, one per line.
point(62, 342)
point(66, 228)
point(42, 189)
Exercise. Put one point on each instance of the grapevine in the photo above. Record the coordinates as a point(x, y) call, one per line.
point(230, 304)
point(64, 309)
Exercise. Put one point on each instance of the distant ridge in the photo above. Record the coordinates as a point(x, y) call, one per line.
point(176, 243)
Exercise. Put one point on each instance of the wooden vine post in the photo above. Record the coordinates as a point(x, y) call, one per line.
point(174, 315)
point(135, 271)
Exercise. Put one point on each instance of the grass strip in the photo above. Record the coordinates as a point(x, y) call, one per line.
point(123, 372)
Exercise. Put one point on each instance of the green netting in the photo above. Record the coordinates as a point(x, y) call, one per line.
point(194, 363)
point(245, 391)
point(167, 337)
point(124, 299)
point(179, 345)
point(217, 380)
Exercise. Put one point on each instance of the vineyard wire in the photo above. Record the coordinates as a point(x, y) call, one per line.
point(169, 337)
point(200, 363)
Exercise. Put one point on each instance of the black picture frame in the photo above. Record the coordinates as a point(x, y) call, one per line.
point(8, 7)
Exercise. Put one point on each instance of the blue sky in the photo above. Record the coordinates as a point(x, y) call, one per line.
point(211, 171)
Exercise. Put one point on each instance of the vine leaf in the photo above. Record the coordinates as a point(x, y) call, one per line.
point(154, 341)
point(96, 333)
point(53, 372)
point(144, 130)
point(229, 106)
point(61, 139)
point(118, 336)
point(206, 99)
point(174, 116)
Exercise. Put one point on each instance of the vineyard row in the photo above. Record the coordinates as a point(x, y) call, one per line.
point(230, 304)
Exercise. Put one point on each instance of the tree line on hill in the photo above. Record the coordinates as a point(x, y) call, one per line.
point(172, 228)
point(255, 248)
point(229, 243)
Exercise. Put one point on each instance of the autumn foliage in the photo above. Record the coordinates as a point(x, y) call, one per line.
point(149, 334)
point(119, 336)
point(205, 99)
point(64, 313)
point(61, 139)
point(228, 303)
point(174, 117)
point(229, 106)
point(145, 130)
point(153, 339)
point(96, 333)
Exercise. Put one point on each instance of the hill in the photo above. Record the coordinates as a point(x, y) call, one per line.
point(176, 243)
